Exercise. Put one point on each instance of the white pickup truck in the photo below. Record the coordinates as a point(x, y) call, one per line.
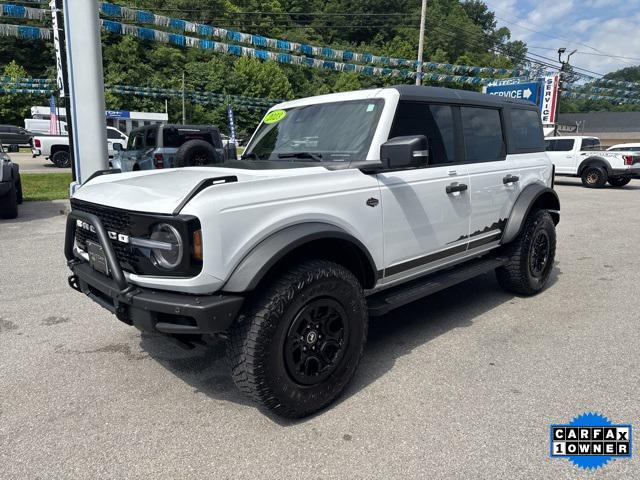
point(583, 157)
point(56, 147)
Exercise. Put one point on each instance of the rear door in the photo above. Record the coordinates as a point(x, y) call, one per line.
point(562, 153)
point(492, 195)
point(426, 224)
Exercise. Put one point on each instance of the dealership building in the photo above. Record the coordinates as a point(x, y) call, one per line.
point(610, 127)
point(123, 120)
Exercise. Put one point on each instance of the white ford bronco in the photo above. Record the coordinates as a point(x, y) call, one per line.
point(583, 157)
point(344, 206)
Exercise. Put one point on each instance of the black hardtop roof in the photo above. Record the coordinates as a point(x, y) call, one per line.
point(179, 126)
point(451, 95)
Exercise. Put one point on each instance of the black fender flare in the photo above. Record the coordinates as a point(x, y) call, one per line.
point(594, 161)
point(533, 195)
point(266, 254)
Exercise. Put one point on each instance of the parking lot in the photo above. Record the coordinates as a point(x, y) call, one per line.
point(28, 164)
point(463, 384)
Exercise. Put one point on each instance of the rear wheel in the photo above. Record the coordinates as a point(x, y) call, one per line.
point(594, 177)
point(9, 203)
point(531, 256)
point(297, 345)
point(619, 181)
point(61, 159)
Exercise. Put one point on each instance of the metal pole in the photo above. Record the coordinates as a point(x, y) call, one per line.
point(184, 109)
point(85, 88)
point(423, 19)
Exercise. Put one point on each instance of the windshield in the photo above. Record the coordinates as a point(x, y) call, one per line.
point(327, 132)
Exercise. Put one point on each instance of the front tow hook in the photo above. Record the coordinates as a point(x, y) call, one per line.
point(73, 283)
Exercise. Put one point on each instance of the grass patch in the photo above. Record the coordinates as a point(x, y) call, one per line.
point(45, 186)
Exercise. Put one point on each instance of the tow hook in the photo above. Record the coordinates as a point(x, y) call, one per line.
point(73, 283)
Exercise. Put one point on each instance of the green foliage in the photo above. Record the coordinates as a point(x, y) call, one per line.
point(457, 32)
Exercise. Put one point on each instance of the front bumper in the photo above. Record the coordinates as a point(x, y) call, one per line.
point(147, 309)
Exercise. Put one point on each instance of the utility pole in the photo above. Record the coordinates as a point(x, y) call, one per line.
point(423, 19)
point(184, 108)
point(563, 69)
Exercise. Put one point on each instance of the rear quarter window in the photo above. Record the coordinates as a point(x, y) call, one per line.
point(526, 131)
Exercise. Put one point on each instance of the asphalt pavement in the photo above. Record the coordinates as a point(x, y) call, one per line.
point(28, 164)
point(464, 384)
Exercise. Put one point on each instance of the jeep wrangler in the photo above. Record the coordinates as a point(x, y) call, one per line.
point(343, 206)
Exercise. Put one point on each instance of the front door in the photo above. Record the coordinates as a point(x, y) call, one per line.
point(562, 155)
point(426, 211)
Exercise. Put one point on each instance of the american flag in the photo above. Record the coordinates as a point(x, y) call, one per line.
point(53, 123)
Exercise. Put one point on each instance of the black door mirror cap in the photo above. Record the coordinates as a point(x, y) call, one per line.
point(405, 152)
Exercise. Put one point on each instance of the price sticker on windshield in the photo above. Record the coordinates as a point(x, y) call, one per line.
point(275, 116)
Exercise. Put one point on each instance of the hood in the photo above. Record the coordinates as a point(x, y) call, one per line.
point(162, 191)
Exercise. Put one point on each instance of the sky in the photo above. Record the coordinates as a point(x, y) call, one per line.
point(598, 29)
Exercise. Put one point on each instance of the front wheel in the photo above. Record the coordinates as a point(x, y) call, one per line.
point(299, 342)
point(9, 203)
point(531, 256)
point(619, 181)
point(594, 177)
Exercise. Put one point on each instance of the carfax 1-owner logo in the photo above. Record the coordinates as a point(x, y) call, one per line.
point(590, 441)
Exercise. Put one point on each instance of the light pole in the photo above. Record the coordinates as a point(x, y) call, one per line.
point(423, 19)
point(564, 68)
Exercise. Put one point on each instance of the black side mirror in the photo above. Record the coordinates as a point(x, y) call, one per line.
point(405, 152)
point(117, 147)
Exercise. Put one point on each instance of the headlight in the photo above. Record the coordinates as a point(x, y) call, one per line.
point(170, 255)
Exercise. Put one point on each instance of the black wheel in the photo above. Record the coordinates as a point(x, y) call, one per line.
point(9, 203)
point(619, 181)
point(196, 153)
point(531, 256)
point(299, 342)
point(61, 159)
point(594, 177)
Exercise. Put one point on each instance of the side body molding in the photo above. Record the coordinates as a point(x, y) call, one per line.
point(268, 252)
point(535, 195)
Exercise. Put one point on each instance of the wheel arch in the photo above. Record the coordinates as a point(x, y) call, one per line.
point(594, 162)
point(535, 196)
point(298, 242)
point(59, 148)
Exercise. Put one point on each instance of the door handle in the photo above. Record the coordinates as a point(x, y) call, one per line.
point(510, 179)
point(456, 187)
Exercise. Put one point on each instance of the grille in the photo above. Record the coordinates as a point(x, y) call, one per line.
point(115, 221)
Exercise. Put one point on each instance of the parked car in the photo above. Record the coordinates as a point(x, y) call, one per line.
point(168, 146)
point(583, 157)
point(56, 147)
point(11, 135)
point(625, 147)
point(10, 186)
point(406, 191)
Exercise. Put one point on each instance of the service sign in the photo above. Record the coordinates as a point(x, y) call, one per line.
point(524, 91)
point(549, 105)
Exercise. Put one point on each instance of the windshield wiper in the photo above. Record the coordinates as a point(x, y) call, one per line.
point(316, 157)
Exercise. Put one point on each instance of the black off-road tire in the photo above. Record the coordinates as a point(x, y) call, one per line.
point(594, 177)
point(61, 159)
point(9, 204)
point(196, 153)
point(618, 182)
point(257, 346)
point(524, 275)
point(19, 195)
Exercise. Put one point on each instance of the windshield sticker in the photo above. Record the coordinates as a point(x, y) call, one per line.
point(275, 116)
point(371, 107)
